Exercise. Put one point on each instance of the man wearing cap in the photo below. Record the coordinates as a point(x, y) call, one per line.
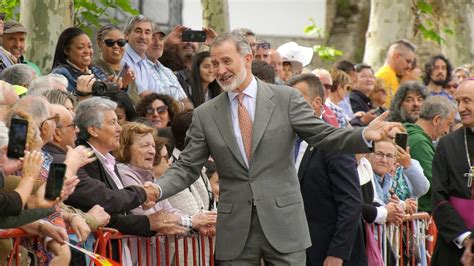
point(14, 38)
point(165, 82)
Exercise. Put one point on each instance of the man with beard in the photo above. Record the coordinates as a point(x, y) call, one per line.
point(438, 71)
point(453, 191)
point(436, 116)
point(260, 208)
point(406, 104)
point(399, 61)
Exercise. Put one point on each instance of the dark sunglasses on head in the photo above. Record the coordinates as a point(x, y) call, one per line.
point(160, 110)
point(264, 45)
point(111, 43)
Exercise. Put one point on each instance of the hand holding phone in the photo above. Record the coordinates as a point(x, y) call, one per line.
point(193, 36)
point(401, 139)
point(124, 70)
point(55, 181)
point(17, 137)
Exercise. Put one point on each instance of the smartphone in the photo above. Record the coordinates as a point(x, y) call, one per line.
point(55, 181)
point(193, 36)
point(378, 111)
point(124, 70)
point(401, 139)
point(17, 137)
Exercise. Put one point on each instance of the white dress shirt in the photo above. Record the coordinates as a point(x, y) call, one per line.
point(249, 101)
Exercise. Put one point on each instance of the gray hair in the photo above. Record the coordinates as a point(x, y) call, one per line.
point(239, 40)
point(410, 86)
point(47, 82)
point(463, 69)
point(134, 20)
point(90, 113)
point(3, 134)
point(59, 97)
point(35, 106)
point(244, 31)
point(19, 74)
point(437, 105)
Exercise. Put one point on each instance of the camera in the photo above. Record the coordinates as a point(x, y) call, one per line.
point(101, 88)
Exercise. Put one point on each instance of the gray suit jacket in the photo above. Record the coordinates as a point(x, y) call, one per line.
point(270, 181)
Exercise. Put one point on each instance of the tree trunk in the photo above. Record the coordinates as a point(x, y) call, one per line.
point(389, 21)
point(215, 14)
point(457, 16)
point(45, 20)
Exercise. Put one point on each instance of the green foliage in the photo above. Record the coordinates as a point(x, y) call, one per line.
point(88, 14)
point(11, 9)
point(427, 25)
point(324, 52)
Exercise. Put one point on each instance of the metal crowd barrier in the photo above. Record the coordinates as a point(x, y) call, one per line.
point(407, 241)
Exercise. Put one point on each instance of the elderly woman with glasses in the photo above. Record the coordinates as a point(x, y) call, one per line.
point(136, 155)
point(159, 109)
point(111, 42)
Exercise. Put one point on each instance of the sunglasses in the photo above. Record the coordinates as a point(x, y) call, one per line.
point(264, 45)
point(160, 110)
point(111, 43)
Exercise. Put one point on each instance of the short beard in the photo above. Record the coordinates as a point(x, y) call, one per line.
point(407, 118)
point(440, 82)
point(238, 79)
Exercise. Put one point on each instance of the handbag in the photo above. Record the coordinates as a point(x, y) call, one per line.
point(374, 257)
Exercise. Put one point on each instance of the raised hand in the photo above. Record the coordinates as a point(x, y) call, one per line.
point(69, 186)
point(79, 226)
point(379, 129)
point(78, 157)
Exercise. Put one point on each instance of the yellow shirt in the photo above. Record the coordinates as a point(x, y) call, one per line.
point(389, 76)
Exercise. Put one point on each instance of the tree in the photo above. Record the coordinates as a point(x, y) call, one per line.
point(215, 14)
point(45, 20)
point(389, 21)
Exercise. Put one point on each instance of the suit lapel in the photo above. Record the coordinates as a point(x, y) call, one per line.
point(263, 113)
point(223, 119)
point(308, 154)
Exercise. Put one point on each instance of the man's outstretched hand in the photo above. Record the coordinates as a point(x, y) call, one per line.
point(380, 129)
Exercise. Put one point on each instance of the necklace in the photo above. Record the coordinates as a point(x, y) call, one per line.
point(470, 174)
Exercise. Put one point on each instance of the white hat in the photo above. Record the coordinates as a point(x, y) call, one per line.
point(291, 51)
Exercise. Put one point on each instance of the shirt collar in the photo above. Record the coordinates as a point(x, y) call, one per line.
point(250, 91)
point(136, 58)
point(106, 160)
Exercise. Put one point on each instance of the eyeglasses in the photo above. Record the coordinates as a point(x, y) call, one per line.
point(55, 118)
point(264, 45)
point(70, 125)
point(408, 60)
point(380, 155)
point(111, 43)
point(453, 85)
point(160, 110)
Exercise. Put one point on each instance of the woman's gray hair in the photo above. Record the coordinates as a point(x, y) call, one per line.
point(236, 37)
point(437, 105)
point(36, 106)
point(19, 74)
point(90, 113)
point(59, 97)
point(47, 82)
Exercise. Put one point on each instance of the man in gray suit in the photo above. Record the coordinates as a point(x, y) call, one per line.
point(260, 212)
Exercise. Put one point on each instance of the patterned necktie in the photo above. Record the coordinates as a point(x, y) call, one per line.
point(245, 124)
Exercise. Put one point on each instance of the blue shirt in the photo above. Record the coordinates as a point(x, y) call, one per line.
point(165, 81)
point(143, 75)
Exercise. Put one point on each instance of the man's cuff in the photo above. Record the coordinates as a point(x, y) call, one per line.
point(368, 143)
point(159, 190)
point(458, 241)
point(381, 215)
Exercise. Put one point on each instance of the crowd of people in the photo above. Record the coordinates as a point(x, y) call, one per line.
point(233, 139)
